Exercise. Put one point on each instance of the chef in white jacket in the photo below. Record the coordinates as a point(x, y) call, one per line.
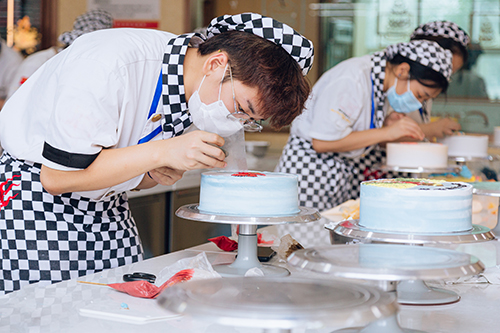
point(110, 113)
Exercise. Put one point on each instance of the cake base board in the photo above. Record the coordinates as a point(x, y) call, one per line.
point(351, 230)
point(473, 159)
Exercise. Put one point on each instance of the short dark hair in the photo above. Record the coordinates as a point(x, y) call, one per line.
point(447, 44)
point(257, 62)
point(422, 74)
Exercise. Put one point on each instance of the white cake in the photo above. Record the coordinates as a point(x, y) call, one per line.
point(248, 193)
point(416, 205)
point(417, 154)
point(468, 146)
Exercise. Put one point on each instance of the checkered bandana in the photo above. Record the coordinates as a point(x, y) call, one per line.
point(378, 63)
point(425, 52)
point(300, 48)
point(443, 29)
point(177, 119)
point(91, 21)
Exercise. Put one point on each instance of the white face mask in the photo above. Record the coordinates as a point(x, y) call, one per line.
point(212, 117)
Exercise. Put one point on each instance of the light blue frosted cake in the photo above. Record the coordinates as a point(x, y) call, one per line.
point(248, 193)
point(415, 205)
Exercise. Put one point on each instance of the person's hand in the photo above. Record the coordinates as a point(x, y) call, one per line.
point(404, 127)
point(194, 150)
point(393, 117)
point(166, 175)
point(442, 127)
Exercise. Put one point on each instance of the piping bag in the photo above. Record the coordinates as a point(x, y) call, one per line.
point(234, 145)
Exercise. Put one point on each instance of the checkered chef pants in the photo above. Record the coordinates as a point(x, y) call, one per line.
point(47, 239)
point(324, 182)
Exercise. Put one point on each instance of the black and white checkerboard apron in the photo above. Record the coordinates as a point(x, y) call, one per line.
point(324, 182)
point(47, 239)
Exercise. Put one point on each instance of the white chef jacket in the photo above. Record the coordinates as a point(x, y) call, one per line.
point(29, 65)
point(9, 62)
point(95, 94)
point(340, 103)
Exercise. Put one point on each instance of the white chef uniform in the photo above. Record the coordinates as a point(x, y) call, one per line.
point(28, 67)
point(346, 98)
point(100, 92)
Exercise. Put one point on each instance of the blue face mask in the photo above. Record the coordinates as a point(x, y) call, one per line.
point(405, 103)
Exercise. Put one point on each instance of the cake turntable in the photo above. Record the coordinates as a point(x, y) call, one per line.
point(399, 268)
point(350, 231)
point(247, 237)
point(280, 305)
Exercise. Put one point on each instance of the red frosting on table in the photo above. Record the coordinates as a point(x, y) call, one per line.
point(247, 174)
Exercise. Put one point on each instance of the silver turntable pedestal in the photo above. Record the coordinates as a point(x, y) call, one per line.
point(247, 237)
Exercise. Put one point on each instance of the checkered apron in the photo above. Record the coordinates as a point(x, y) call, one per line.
point(50, 238)
point(324, 182)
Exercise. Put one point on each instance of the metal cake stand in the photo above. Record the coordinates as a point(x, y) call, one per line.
point(491, 189)
point(352, 231)
point(247, 237)
point(399, 268)
point(280, 305)
point(463, 159)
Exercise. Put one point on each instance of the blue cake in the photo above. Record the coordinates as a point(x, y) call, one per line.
point(412, 205)
point(248, 193)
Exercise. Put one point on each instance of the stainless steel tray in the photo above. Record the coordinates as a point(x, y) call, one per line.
point(352, 230)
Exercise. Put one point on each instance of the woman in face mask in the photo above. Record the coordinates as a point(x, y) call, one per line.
point(450, 37)
point(113, 112)
point(344, 120)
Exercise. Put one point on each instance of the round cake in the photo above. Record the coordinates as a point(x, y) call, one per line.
point(468, 146)
point(417, 155)
point(416, 205)
point(248, 193)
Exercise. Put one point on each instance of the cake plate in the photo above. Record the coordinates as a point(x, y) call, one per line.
point(491, 189)
point(420, 170)
point(280, 305)
point(247, 237)
point(352, 231)
point(399, 268)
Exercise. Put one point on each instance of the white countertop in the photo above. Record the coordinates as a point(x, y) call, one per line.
point(56, 308)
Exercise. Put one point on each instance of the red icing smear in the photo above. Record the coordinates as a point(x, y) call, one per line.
point(146, 289)
point(4, 201)
point(347, 224)
point(224, 243)
point(247, 174)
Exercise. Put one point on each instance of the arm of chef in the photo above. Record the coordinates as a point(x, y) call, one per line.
point(115, 166)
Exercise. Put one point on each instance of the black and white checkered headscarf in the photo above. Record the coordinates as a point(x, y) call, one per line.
point(425, 52)
point(300, 48)
point(90, 21)
point(445, 29)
